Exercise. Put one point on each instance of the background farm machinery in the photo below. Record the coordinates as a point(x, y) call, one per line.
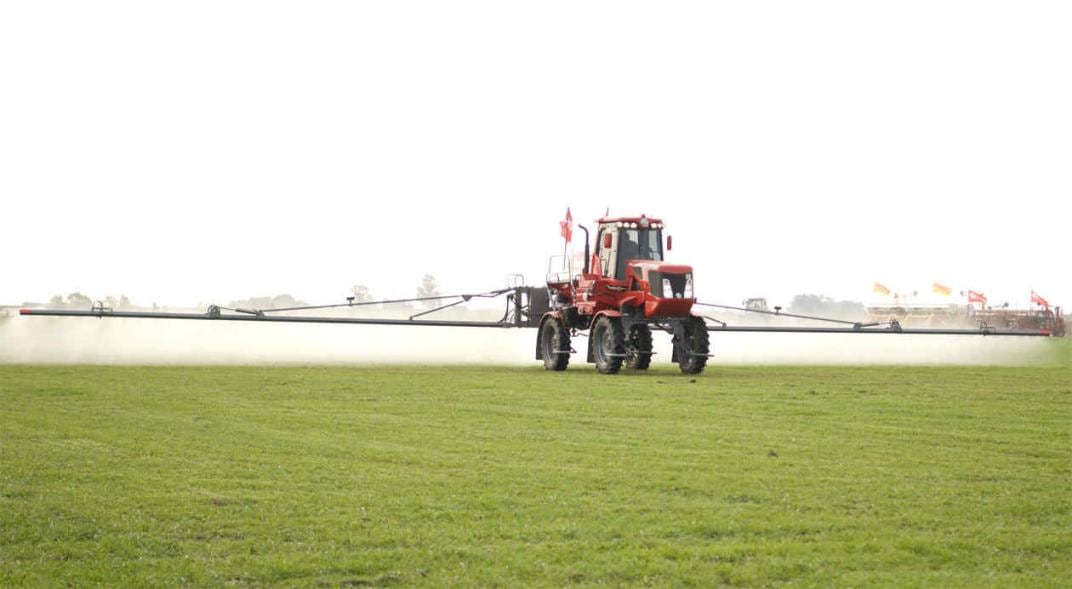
point(1044, 319)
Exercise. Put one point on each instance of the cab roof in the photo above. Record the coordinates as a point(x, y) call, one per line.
point(629, 219)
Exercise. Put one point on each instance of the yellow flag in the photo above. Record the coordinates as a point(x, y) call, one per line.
point(941, 289)
point(880, 289)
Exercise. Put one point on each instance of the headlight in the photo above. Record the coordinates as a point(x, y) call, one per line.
point(688, 286)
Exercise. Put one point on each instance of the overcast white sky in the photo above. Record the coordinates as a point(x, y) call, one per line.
point(191, 152)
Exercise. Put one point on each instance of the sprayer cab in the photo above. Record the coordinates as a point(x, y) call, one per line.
point(624, 239)
point(629, 258)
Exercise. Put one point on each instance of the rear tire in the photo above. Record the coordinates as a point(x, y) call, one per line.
point(694, 347)
point(608, 344)
point(554, 344)
point(638, 347)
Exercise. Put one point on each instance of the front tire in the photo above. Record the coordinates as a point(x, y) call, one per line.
point(638, 347)
point(693, 347)
point(608, 344)
point(554, 345)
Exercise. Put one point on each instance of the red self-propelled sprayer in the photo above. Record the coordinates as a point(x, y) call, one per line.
point(624, 291)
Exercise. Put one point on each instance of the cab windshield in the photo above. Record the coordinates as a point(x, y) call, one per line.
point(639, 244)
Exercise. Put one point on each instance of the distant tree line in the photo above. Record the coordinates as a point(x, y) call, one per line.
point(824, 306)
point(360, 293)
point(428, 287)
point(77, 300)
point(276, 302)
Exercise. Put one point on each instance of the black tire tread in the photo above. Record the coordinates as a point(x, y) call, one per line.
point(613, 364)
point(560, 340)
point(698, 341)
point(639, 340)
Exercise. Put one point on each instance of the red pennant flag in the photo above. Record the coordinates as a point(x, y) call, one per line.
point(567, 226)
point(976, 297)
point(1039, 300)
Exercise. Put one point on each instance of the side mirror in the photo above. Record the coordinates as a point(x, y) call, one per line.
point(669, 242)
point(606, 240)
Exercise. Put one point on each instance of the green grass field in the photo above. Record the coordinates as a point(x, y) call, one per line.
point(433, 476)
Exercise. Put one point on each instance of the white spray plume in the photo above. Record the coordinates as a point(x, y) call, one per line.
point(36, 340)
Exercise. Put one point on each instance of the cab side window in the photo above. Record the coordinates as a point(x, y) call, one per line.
point(606, 263)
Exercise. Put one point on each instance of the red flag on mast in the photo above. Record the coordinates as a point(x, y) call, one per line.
point(1036, 299)
point(567, 226)
point(976, 297)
